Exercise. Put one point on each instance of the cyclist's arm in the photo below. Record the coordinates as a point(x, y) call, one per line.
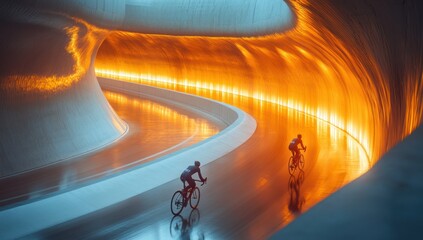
point(199, 174)
point(302, 145)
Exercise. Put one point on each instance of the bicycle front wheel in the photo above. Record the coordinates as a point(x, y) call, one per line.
point(291, 166)
point(301, 162)
point(177, 203)
point(195, 198)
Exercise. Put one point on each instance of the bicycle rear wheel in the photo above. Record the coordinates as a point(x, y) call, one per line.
point(177, 203)
point(301, 162)
point(291, 166)
point(195, 198)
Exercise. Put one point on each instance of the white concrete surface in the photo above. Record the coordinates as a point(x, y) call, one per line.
point(26, 219)
point(51, 106)
point(178, 17)
point(208, 17)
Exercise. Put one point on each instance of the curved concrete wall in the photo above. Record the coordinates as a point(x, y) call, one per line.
point(384, 203)
point(177, 17)
point(51, 106)
point(207, 17)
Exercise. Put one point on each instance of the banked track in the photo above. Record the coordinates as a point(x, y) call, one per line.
point(35, 216)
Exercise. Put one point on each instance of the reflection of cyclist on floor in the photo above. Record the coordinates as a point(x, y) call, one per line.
point(296, 200)
point(293, 146)
point(187, 176)
point(182, 228)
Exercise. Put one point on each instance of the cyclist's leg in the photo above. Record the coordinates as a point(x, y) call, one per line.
point(297, 154)
point(186, 188)
point(191, 183)
point(292, 152)
point(292, 163)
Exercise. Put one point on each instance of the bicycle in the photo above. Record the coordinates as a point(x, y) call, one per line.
point(292, 165)
point(178, 201)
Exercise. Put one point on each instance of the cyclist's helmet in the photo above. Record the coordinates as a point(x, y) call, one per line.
point(299, 136)
point(197, 163)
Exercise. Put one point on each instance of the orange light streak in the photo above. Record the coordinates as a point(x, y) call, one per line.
point(203, 128)
point(83, 38)
point(319, 113)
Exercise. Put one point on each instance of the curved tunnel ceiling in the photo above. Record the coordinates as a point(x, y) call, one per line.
point(207, 17)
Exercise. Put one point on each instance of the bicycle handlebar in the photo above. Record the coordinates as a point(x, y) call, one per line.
point(205, 181)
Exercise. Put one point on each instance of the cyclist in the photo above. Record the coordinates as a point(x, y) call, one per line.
point(293, 147)
point(187, 176)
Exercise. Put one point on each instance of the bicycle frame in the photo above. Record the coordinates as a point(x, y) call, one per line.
point(179, 201)
point(189, 191)
point(297, 160)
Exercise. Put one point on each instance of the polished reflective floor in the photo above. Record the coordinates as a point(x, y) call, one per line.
point(155, 129)
point(249, 194)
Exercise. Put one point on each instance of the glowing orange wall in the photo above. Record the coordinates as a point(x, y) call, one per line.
point(330, 66)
